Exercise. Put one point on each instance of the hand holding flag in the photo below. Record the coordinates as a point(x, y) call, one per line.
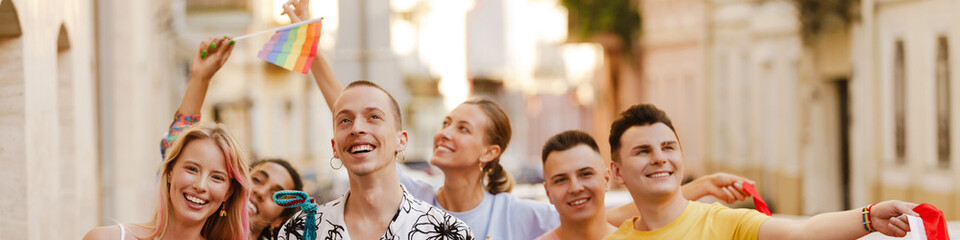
point(723, 186)
point(292, 46)
point(297, 10)
point(758, 202)
point(210, 57)
point(890, 217)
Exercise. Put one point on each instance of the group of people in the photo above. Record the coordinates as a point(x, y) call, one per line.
point(207, 190)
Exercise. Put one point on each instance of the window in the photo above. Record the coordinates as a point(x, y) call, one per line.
point(899, 103)
point(943, 103)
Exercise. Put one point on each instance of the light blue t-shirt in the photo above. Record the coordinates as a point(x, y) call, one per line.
point(500, 216)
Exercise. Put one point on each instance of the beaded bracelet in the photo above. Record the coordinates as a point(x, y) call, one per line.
point(867, 224)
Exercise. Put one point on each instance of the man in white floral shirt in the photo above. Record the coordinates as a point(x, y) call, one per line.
point(367, 140)
point(414, 220)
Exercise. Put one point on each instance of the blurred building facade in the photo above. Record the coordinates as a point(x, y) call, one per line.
point(777, 111)
point(50, 141)
point(827, 114)
point(672, 65)
point(513, 52)
point(125, 65)
point(903, 93)
point(858, 111)
point(89, 88)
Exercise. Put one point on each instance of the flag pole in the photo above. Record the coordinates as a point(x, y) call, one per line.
point(280, 28)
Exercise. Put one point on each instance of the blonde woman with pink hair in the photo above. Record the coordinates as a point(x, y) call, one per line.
point(203, 191)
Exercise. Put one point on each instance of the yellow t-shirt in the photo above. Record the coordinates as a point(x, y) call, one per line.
point(700, 221)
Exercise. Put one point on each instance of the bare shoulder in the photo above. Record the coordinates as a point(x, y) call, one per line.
point(105, 232)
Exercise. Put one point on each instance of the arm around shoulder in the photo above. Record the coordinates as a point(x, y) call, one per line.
point(620, 214)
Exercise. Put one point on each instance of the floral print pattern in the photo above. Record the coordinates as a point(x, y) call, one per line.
point(414, 220)
point(439, 227)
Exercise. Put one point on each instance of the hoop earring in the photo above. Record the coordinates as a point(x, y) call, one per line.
point(401, 157)
point(340, 164)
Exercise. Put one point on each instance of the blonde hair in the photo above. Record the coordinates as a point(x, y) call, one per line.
point(235, 225)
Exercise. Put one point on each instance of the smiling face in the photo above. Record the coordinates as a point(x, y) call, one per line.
point(460, 142)
point(366, 136)
point(199, 182)
point(650, 161)
point(268, 178)
point(576, 182)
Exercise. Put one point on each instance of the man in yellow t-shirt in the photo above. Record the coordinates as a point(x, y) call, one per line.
point(715, 220)
point(648, 161)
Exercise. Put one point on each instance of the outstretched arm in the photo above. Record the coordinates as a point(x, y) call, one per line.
point(887, 217)
point(330, 86)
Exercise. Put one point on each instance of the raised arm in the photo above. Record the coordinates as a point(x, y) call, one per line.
point(330, 86)
point(886, 217)
point(208, 59)
point(724, 186)
point(212, 54)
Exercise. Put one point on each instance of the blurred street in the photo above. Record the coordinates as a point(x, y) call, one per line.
point(827, 104)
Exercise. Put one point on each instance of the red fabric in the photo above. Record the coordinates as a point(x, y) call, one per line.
point(757, 201)
point(933, 222)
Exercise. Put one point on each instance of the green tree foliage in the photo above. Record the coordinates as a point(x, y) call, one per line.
point(816, 15)
point(589, 18)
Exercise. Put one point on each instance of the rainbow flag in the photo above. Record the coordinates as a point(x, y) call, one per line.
point(293, 46)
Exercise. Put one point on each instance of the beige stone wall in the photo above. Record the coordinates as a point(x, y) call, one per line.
point(12, 145)
point(757, 112)
point(775, 104)
point(49, 140)
point(83, 143)
point(137, 97)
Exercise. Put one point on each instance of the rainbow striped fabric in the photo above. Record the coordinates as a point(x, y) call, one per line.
point(293, 48)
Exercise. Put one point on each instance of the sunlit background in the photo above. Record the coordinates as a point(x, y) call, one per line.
point(827, 104)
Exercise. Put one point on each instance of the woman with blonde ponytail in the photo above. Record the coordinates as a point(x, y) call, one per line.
point(476, 188)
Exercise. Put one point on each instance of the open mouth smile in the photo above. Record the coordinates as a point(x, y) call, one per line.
point(361, 148)
point(660, 174)
point(195, 202)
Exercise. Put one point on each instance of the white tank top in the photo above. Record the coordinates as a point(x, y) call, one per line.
point(123, 232)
